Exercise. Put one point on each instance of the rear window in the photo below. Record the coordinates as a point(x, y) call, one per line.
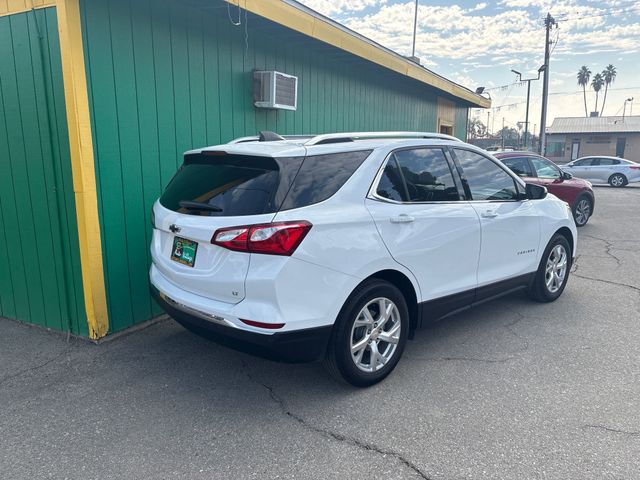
point(238, 185)
point(232, 185)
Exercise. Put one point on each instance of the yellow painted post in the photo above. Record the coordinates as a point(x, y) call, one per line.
point(82, 165)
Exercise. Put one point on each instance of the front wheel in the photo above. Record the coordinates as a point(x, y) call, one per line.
point(582, 211)
point(617, 180)
point(553, 271)
point(369, 335)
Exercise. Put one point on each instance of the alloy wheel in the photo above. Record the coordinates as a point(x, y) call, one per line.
point(556, 268)
point(617, 180)
point(375, 334)
point(583, 212)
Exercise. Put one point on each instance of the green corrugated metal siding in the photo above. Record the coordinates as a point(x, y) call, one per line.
point(40, 277)
point(462, 116)
point(165, 76)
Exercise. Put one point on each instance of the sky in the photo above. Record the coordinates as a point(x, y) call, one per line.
point(478, 43)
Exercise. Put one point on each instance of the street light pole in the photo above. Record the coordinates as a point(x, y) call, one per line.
point(624, 107)
point(528, 80)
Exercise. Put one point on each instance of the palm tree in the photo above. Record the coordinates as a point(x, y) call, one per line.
point(609, 75)
point(596, 84)
point(584, 74)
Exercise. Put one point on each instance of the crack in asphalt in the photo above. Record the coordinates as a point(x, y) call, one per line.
point(613, 430)
point(330, 434)
point(611, 282)
point(35, 367)
point(608, 247)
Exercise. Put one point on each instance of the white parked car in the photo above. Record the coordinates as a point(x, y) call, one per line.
point(617, 172)
point(338, 247)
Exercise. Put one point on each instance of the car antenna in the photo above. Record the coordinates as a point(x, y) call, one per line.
point(267, 136)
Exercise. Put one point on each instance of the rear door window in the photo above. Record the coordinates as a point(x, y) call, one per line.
point(605, 162)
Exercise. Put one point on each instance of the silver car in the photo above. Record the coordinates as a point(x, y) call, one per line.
point(617, 172)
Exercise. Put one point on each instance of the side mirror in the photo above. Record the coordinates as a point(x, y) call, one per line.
point(566, 176)
point(535, 192)
point(570, 165)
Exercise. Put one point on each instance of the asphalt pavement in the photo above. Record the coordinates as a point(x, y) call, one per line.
point(509, 390)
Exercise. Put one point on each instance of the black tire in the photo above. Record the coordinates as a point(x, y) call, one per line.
point(538, 290)
point(618, 180)
point(583, 206)
point(338, 360)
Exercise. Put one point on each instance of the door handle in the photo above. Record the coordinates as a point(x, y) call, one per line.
point(489, 214)
point(402, 218)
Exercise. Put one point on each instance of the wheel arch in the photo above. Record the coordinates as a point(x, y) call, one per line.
point(404, 284)
point(568, 234)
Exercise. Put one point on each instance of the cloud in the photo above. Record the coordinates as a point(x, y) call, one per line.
point(334, 7)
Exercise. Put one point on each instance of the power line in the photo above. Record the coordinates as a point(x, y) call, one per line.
point(595, 15)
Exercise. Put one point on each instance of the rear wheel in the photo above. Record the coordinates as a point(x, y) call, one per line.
point(369, 335)
point(617, 180)
point(582, 211)
point(553, 271)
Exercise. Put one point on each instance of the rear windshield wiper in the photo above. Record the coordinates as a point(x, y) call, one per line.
point(189, 205)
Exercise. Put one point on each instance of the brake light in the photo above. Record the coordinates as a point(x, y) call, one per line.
point(634, 167)
point(281, 238)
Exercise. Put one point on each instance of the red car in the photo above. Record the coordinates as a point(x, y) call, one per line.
point(536, 169)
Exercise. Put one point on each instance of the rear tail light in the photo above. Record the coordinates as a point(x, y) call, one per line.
point(635, 167)
point(280, 238)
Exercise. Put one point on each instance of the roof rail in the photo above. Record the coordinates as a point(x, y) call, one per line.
point(352, 136)
point(258, 138)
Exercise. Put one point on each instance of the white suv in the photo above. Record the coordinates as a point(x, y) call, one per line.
point(338, 247)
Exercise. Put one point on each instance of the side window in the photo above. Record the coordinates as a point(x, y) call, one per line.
point(486, 180)
point(427, 175)
point(321, 176)
point(519, 165)
point(608, 162)
point(391, 185)
point(544, 168)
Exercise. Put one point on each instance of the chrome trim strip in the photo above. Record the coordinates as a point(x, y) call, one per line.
point(193, 311)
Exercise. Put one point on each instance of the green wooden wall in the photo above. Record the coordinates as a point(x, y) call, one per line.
point(166, 76)
point(40, 277)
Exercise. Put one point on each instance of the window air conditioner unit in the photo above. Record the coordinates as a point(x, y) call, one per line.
point(275, 90)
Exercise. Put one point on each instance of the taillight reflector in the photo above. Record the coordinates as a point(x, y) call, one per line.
point(270, 326)
point(281, 238)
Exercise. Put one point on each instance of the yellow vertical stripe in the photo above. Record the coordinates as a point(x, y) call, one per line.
point(82, 165)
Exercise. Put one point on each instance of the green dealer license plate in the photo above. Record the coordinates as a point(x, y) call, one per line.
point(184, 251)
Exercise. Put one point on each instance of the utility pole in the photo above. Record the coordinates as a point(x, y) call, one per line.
point(488, 114)
point(415, 25)
point(548, 23)
point(502, 133)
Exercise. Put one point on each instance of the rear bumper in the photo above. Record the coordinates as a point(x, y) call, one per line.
point(297, 346)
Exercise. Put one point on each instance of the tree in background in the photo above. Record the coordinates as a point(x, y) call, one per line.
point(597, 83)
point(609, 75)
point(476, 129)
point(584, 75)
